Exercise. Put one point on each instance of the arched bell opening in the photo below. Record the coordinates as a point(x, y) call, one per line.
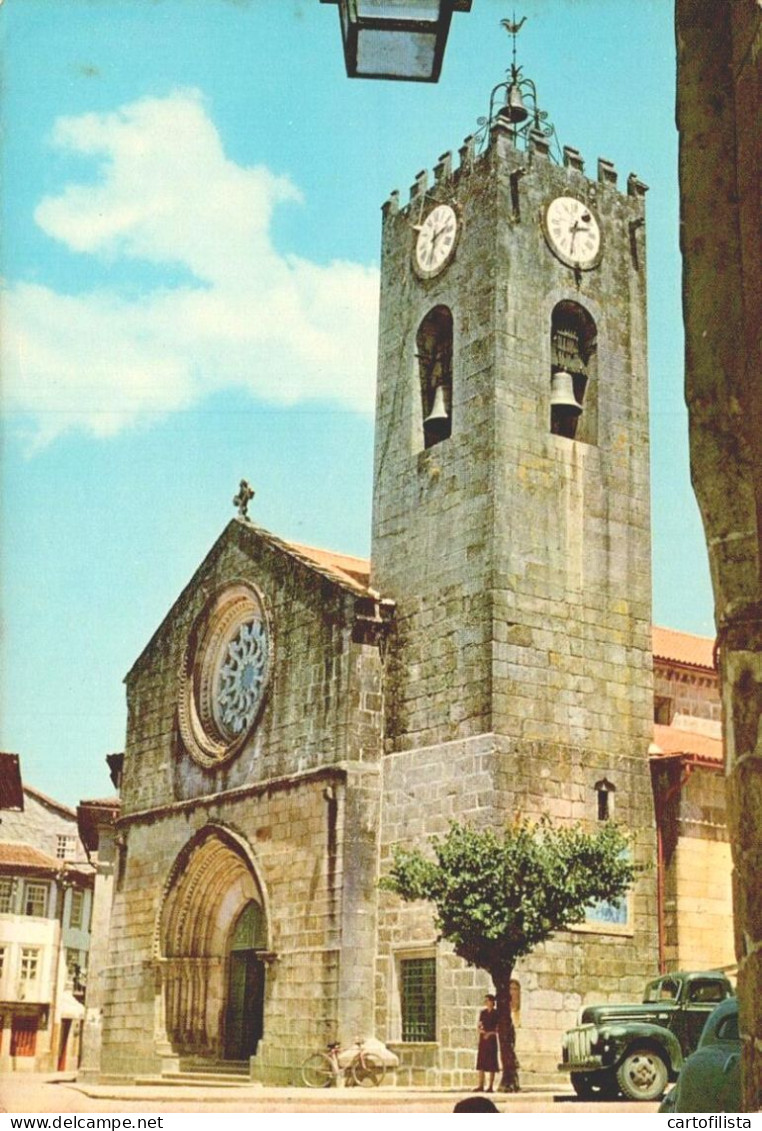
point(213, 937)
point(573, 373)
point(434, 352)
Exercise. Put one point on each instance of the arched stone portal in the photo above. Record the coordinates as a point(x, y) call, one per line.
point(212, 934)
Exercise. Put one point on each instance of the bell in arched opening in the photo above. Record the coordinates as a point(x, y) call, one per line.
point(565, 409)
point(436, 426)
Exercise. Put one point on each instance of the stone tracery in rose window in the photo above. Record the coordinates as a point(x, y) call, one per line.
point(241, 678)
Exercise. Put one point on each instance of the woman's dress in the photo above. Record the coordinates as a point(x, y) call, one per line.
point(486, 1057)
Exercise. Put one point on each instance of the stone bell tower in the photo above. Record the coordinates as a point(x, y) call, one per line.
point(511, 528)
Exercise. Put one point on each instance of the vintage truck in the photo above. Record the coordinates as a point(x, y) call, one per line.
point(637, 1049)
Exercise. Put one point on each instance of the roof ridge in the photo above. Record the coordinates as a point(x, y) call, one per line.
point(44, 797)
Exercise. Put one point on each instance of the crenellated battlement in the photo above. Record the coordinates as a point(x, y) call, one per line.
point(445, 171)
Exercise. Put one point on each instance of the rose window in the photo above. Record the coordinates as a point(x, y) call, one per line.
point(225, 673)
point(241, 678)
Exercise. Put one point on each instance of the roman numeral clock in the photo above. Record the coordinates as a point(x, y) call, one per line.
point(573, 232)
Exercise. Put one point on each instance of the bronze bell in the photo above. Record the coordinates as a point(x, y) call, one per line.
point(437, 423)
point(562, 392)
point(514, 110)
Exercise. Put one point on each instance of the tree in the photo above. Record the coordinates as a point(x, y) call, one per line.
point(497, 896)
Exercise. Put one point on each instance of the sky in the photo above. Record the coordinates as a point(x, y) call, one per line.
point(191, 230)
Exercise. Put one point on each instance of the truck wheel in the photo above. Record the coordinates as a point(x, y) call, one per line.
point(594, 1085)
point(642, 1075)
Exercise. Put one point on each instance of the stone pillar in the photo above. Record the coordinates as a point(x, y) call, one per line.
point(360, 820)
point(90, 1062)
point(719, 53)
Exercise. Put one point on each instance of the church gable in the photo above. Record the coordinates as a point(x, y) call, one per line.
point(250, 675)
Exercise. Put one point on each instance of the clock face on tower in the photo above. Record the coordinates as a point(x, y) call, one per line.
point(436, 241)
point(573, 232)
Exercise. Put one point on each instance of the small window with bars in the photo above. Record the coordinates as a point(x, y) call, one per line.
point(36, 900)
point(418, 990)
point(6, 894)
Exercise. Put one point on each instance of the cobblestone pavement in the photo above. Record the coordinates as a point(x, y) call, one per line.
point(39, 1093)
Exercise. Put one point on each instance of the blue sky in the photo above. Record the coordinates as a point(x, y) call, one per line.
point(190, 260)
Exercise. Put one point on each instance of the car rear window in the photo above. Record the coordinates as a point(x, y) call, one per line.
point(727, 1030)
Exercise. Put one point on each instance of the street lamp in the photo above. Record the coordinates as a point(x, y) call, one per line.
point(396, 39)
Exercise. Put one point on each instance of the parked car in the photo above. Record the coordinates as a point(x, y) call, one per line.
point(638, 1048)
point(710, 1079)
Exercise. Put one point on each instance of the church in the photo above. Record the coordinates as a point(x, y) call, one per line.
point(298, 712)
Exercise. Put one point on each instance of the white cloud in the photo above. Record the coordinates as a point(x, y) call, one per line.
point(283, 327)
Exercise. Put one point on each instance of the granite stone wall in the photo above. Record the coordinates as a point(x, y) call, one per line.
point(519, 672)
point(299, 805)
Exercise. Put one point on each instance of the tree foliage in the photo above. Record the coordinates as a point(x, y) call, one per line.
point(498, 895)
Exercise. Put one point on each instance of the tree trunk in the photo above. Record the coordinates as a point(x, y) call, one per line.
point(506, 1033)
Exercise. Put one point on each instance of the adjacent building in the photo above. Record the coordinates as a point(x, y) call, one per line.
point(45, 905)
point(688, 772)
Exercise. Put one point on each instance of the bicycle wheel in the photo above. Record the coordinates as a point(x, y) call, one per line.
point(368, 1070)
point(317, 1070)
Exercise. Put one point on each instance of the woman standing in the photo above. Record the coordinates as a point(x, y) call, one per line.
point(486, 1057)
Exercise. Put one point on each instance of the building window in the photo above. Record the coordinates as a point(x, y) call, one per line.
point(30, 960)
point(36, 900)
point(6, 894)
point(74, 970)
point(434, 352)
point(664, 709)
point(2, 960)
point(76, 908)
point(604, 791)
point(573, 389)
point(418, 993)
point(65, 847)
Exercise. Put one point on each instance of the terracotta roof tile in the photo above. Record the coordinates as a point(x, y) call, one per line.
point(358, 569)
point(683, 648)
point(14, 855)
point(669, 741)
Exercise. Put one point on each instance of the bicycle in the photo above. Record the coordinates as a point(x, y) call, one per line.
point(321, 1069)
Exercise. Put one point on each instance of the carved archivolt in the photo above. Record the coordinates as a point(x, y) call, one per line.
point(212, 881)
point(225, 673)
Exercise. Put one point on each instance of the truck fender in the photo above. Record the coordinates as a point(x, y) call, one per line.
point(625, 1037)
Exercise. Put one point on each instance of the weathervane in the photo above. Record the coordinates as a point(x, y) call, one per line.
point(243, 498)
point(519, 108)
point(513, 29)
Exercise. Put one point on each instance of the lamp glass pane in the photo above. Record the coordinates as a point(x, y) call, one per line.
point(399, 9)
point(395, 54)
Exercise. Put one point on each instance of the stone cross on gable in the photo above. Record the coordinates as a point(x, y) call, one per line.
point(243, 498)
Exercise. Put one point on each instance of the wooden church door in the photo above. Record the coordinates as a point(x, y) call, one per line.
point(246, 986)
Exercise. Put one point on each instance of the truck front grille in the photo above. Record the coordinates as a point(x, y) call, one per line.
point(579, 1045)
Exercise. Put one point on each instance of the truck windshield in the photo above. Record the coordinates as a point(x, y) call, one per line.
point(666, 989)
